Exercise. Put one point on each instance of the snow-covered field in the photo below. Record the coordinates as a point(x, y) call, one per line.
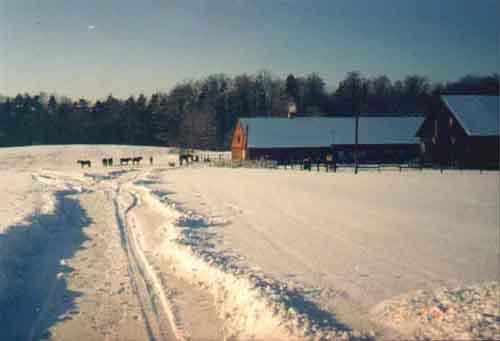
point(154, 252)
point(354, 241)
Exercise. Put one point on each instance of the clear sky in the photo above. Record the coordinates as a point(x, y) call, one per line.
point(95, 47)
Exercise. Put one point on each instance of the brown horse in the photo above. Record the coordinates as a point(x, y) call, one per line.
point(185, 158)
point(125, 160)
point(136, 160)
point(84, 163)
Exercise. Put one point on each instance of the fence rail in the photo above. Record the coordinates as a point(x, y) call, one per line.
point(334, 167)
point(218, 159)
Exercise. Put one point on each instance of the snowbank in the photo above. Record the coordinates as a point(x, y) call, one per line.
point(460, 313)
point(252, 304)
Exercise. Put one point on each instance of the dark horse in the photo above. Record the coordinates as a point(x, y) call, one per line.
point(124, 161)
point(136, 160)
point(84, 163)
point(107, 162)
point(185, 157)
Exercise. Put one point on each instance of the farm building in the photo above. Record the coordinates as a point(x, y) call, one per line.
point(463, 131)
point(381, 138)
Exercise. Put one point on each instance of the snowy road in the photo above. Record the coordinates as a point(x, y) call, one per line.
point(155, 253)
point(125, 298)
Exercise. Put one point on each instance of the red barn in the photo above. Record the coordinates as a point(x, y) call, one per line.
point(463, 131)
point(381, 138)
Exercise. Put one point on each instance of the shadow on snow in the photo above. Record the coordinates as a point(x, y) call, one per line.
point(34, 295)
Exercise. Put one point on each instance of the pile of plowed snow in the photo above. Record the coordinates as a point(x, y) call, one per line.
point(251, 304)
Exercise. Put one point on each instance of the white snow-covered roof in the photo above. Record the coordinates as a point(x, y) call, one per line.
point(314, 132)
point(477, 114)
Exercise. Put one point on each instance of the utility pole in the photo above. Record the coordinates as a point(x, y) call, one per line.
point(245, 150)
point(356, 140)
point(360, 94)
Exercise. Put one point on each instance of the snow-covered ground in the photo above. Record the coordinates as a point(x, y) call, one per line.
point(193, 253)
point(351, 241)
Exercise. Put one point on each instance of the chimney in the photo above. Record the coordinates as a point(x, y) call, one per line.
point(292, 109)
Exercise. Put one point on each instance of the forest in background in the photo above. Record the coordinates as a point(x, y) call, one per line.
point(203, 113)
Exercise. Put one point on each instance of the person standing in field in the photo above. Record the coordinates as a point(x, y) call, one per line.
point(151, 160)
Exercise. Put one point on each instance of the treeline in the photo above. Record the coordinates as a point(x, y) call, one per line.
point(202, 114)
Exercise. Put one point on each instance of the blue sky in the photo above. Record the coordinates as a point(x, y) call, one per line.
point(95, 47)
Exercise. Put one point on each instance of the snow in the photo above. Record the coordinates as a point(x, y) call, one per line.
point(358, 239)
point(247, 311)
point(57, 157)
point(275, 253)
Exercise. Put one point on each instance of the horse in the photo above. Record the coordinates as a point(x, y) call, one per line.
point(84, 163)
point(110, 162)
point(124, 161)
point(136, 160)
point(105, 162)
point(184, 157)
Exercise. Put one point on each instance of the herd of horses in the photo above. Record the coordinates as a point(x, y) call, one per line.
point(124, 161)
point(108, 162)
point(189, 157)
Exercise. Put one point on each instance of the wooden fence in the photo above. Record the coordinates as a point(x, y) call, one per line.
point(217, 159)
point(322, 166)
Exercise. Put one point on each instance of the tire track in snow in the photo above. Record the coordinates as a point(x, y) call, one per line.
point(142, 279)
point(147, 285)
point(193, 310)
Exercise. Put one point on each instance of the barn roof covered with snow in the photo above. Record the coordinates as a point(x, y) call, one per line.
point(314, 132)
point(477, 114)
